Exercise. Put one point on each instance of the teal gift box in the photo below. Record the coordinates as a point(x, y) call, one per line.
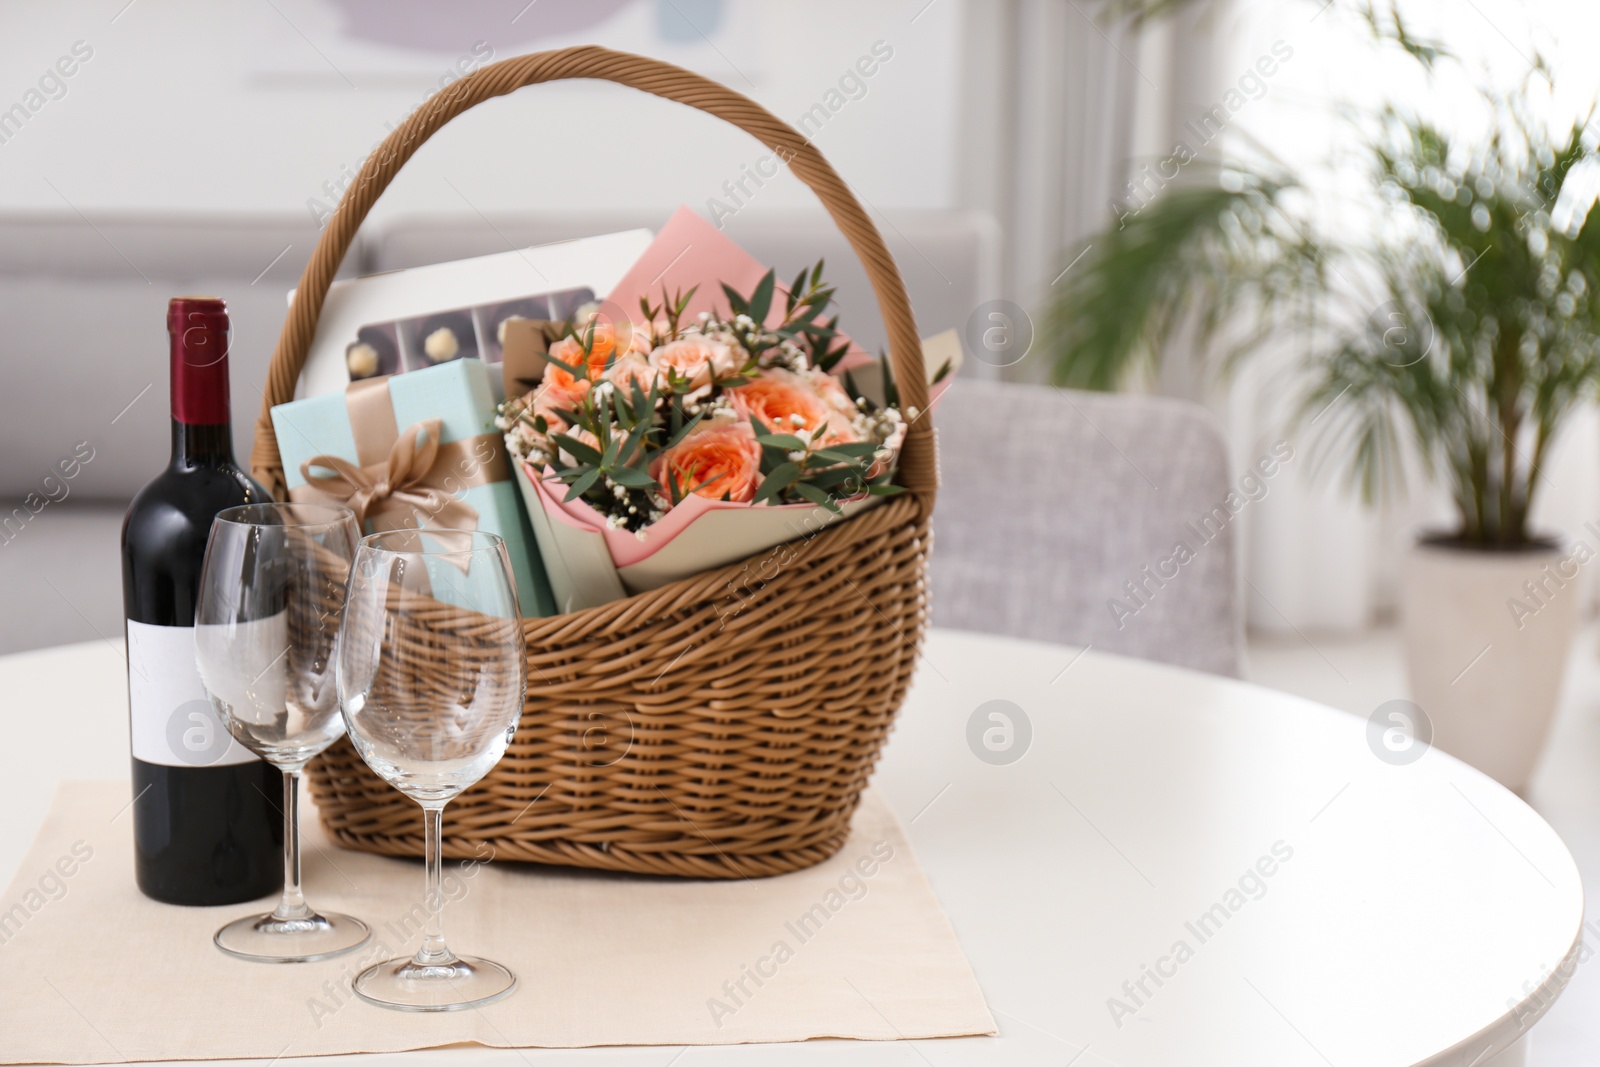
point(410, 450)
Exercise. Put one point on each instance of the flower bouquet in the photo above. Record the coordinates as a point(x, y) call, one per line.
point(742, 421)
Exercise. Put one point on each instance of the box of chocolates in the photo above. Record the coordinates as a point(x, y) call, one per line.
point(409, 320)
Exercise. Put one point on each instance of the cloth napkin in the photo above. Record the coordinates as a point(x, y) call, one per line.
point(855, 947)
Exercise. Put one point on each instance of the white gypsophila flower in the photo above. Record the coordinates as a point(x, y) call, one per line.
point(616, 522)
point(618, 491)
point(911, 413)
point(522, 440)
point(797, 457)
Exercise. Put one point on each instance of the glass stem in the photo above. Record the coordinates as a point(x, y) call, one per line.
point(292, 905)
point(433, 951)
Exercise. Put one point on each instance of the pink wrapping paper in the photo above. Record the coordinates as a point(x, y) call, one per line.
point(629, 548)
point(690, 252)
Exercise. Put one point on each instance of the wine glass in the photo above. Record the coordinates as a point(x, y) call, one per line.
point(266, 640)
point(431, 677)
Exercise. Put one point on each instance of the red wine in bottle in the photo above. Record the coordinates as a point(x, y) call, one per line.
point(206, 829)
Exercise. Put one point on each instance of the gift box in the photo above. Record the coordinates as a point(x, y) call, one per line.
point(416, 450)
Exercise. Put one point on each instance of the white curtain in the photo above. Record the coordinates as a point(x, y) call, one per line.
point(1051, 107)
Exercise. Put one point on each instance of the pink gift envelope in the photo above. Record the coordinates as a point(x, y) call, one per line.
point(690, 252)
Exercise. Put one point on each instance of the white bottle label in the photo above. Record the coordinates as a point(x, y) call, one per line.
point(172, 721)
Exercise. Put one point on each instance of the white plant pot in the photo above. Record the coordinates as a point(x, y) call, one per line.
point(1487, 636)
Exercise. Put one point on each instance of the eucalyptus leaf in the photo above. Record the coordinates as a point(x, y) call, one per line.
point(773, 485)
point(577, 449)
point(855, 449)
point(632, 479)
point(761, 300)
point(583, 485)
point(786, 441)
point(816, 496)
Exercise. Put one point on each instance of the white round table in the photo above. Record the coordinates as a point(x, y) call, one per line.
point(1174, 869)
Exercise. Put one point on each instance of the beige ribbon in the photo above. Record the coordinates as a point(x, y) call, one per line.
point(415, 485)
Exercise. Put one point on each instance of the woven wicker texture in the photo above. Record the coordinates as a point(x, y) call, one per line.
point(720, 726)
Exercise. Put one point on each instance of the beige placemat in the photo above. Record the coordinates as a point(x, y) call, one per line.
point(91, 971)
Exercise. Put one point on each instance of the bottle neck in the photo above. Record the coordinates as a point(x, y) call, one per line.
point(194, 445)
point(201, 430)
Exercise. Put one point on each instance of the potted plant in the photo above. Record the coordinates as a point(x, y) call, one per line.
point(1462, 333)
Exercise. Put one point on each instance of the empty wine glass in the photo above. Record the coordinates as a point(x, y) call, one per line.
point(431, 676)
point(266, 640)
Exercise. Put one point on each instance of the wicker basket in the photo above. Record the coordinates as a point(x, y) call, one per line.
point(724, 725)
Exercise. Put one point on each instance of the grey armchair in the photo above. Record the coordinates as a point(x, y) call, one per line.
point(1061, 515)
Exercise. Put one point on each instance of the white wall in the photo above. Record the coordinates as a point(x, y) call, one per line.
point(252, 106)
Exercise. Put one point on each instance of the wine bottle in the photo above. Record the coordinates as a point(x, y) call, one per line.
point(206, 827)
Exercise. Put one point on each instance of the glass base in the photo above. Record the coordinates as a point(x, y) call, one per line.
point(463, 982)
point(269, 940)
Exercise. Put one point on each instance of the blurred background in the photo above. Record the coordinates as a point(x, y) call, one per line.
point(993, 145)
point(1170, 198)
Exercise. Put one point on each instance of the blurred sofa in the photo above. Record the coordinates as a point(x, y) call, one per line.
point(84, 343)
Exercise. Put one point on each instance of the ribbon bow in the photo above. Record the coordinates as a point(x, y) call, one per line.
point(402, 492)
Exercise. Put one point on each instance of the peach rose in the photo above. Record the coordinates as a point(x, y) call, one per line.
point(832, 393)
point(642, 338)
point(716, 459)
point(569, 350)
point(559, 379)
point(633, 368)
point(553, 423)
point(694, 357)
point(786, 402)
point(603, 346)
point(558, 390)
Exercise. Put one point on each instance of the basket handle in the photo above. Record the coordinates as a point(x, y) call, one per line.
point(917, 465)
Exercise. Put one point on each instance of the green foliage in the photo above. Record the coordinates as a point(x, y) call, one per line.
point(1468, 325)
point(1201, 255)
point(616, 433)
point(1510, 302)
